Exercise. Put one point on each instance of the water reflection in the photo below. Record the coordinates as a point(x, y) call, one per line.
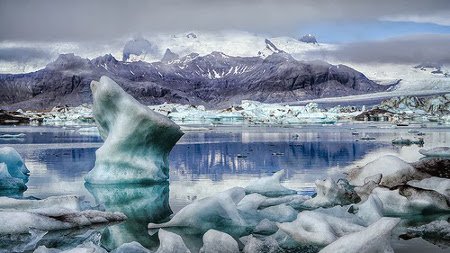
point(142, 204)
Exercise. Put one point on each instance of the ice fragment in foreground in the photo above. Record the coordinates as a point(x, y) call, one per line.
point(171, 242)
point(269, 186)
point(137, 139)
point(13, 172)
point(374, 238)
point(131, 247)
point(218, 242)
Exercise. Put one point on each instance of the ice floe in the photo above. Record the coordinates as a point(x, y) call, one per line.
point(330, 193)
point(171, 242)
point(436, 152)
point(269, 186)
point(218, 242)
point(137, 140)
point(375, 238)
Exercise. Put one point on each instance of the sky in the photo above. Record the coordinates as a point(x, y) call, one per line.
point(363, 23)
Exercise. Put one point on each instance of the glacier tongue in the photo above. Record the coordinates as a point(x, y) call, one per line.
point(137, 140)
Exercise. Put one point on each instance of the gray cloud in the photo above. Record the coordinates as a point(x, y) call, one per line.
point(409, 49)
point(50, 20)
point(23, 54)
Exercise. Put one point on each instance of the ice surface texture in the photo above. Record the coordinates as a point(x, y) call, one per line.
point(137, 140)
point(13, 172)
point(218, 242)
point(375, 238)
point(269, 186)
point(436, 152)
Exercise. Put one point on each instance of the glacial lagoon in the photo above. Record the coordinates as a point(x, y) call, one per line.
point(207, 160)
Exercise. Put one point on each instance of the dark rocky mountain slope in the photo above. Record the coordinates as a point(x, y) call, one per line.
point(214, 80)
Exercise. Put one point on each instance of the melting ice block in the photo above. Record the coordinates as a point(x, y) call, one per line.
point(13, 172)
point(330, 193)
point(131, 247)
point(171, 242)
point(218, 242)
point(436, 152)
point(374, 238)
point(216, 212)
point(269, 186)
point(394, 172)
point(317, 228)
point(137, 139)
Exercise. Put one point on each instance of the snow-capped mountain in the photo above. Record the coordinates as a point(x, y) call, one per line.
point(214, 80)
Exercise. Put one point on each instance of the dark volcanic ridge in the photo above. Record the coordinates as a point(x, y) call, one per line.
point(214, 80)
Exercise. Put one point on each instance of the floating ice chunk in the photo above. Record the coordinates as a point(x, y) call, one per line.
point(9, 183)
point(216, 212)
point(279, 213)
point(253, 244)
point(291, 200)
point(265, 227)
point(370, 210)
point(315, 228)
point(137, 139)
point(374, 238)
point(70, 202)
point(36, 236)
point(441, 185)
point(433, 166)
point(13, 136)
point(394, 171)
point(330, 193)
point(171, 242)
point(436, 152)
point(131, 247)
point(218, 242)
point(17, 222)
point(437, 232)
point(14, 163)
point(269, 186)
point(405, 200)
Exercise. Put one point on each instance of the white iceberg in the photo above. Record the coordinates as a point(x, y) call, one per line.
point(18, 222)
point(14, 163)
point(218, 242)
point(438, 184)
point(403, 201)
point(394, 172)
point(217, 212)
point(269, 186)
point(137, 139)
point(70, 202)
point(254, 244)
point(317, 228)
point(330, 193)
point(374, 238)
point(436, 152)
point(171, 242)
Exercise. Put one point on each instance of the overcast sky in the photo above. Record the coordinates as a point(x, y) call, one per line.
point(362, 23)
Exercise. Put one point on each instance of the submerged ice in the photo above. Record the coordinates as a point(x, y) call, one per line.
point(137, 139)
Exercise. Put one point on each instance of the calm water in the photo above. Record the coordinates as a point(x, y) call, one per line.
point(205, 162)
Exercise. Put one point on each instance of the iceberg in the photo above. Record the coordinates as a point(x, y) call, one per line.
point(13, 172)
point(394, 172)
point(436, 152)
point(171, 242)
point(374, 238)
point(254, 244)
point(317, 228)
point(441, 185)
point(330, 193)
point(218, 212)
point(18, 222)
point(437, 232)
point(218, 242)
point(403, 201)
point(269, 186)
point(137, 139)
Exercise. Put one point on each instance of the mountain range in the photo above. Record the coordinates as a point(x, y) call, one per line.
point(214, 80)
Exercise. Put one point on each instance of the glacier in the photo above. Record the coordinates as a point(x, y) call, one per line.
point(137, 140)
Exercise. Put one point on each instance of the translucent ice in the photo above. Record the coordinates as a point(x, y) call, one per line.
point(374, 238)
point(438, 184)
point(218, 242)
point(394, 171)
point(13, 172)
point(137, 139)
point(330, 193)
point(171, 242)
point(216, 212)
point(436, 152)
point(269, 186)
point(316, 228)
